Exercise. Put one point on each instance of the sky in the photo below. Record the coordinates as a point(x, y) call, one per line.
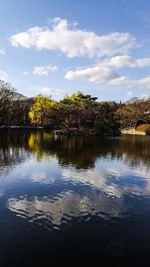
point(58, 47)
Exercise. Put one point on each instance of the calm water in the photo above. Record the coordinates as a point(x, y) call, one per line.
point(87, 198)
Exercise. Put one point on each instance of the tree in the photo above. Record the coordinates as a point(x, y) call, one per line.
point(77, 111)
point(134, 113)
point(19, 110)
point(7, 93)
point(106, 122)
point(39, 113)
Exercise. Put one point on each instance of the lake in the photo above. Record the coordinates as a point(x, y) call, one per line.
point(82, 197)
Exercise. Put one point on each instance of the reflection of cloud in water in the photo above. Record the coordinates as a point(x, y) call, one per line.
point(113, 178)
point(42, 177)
point(107, 202)
point(94, 178)
point(61, 209)
point(142, 171)
point(110, 182)
point(1, 193)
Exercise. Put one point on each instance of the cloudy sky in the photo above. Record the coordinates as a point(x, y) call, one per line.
point(99, 47)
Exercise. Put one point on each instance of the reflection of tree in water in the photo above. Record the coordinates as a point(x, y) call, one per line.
point(13, 149)
point(134, 150)
point(82, 152)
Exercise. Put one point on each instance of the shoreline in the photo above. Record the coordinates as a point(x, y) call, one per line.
point(4, 127)
point(74, 132)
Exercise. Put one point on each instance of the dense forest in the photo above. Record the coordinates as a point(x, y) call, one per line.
point(78, 111)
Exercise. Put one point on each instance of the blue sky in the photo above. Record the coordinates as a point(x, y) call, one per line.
point(100, 47)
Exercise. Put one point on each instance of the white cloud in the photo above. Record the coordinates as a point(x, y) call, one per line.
point(107, 72)
point(130, 93)
point(94, 74)
point(103, 74)
point(26, 73)
point(73, 41)
point(3, 75)
point(145, 82)
point(44, 70)
point(125, 81)
point(122, 81)
point(52, 91)
point(2, 51)
point(127, 61)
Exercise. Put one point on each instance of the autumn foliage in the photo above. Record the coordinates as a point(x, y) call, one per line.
point(75, 112)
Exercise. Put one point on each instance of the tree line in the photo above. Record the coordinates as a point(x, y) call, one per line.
point(78, 111)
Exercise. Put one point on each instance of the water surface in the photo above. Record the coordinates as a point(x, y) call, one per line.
point(84, 197)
